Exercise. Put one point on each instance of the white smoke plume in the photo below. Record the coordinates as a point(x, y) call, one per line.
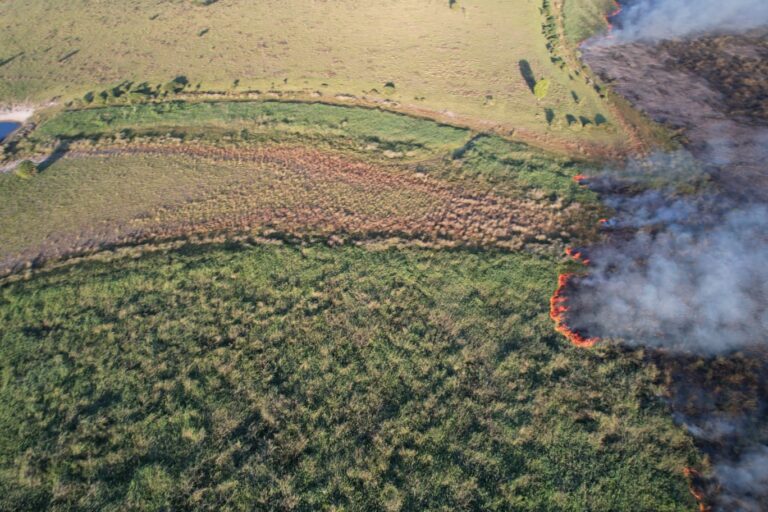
point(684, 273)
point(744, 482)
point(654, 20)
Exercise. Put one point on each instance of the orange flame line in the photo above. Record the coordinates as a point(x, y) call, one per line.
point(613, 13)
point(558, 307)
point(557, 311)
point(692, 475)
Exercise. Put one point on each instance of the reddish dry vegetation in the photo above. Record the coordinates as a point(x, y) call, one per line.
point(302, 193)
point(316, 193)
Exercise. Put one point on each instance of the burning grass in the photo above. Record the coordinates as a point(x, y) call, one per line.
point(558, 303)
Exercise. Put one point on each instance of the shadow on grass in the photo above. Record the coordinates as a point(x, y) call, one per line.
point(54, 157)
point(527, 72)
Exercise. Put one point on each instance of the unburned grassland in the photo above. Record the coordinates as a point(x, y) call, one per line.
point(130, 174)
point(124, 195)
point(462, 62)
point(273, 377)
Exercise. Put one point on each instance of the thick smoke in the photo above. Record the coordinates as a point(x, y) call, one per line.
point(744, 482)
point(653, 20)
point(680, 272)
point(683, 268)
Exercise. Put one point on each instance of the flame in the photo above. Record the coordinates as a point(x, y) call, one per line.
point(579, 178)
point(613, 14)
point(557, 311)
point(577, 255)
point(558, 305)
point(694, 479)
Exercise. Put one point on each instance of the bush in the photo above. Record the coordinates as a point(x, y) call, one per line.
point(176, 85)
point(541, 88)
point(26, 170)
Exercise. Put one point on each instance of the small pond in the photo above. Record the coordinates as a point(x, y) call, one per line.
point(6, 128)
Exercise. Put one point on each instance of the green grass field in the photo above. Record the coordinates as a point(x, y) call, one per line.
point(463, 61)
point(213, 120)
point(286, 378)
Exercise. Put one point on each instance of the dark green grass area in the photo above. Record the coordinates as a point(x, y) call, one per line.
point(515, 169)
point(511, 168)
point(393, 130)
point(285, 378)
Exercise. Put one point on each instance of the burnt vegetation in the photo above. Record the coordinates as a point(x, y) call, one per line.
point(736, 66)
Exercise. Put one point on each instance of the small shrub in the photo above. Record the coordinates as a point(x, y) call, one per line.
point(26, 170)
point(541, 89)
point(176, 85)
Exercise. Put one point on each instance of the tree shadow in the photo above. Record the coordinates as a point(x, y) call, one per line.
point(550, 115)
point(54, 157)
point(3, 62)
point(527, 72)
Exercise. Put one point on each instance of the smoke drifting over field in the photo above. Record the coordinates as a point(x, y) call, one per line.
point(744, 483)
point(653, 20)
point(684, 273)
point(681, 270)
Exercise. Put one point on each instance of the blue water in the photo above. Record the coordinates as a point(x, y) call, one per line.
point(6, 128)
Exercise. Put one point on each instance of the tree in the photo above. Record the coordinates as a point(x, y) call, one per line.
point(541, 88)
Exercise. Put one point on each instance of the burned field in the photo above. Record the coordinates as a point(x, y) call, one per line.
point(719, 88)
